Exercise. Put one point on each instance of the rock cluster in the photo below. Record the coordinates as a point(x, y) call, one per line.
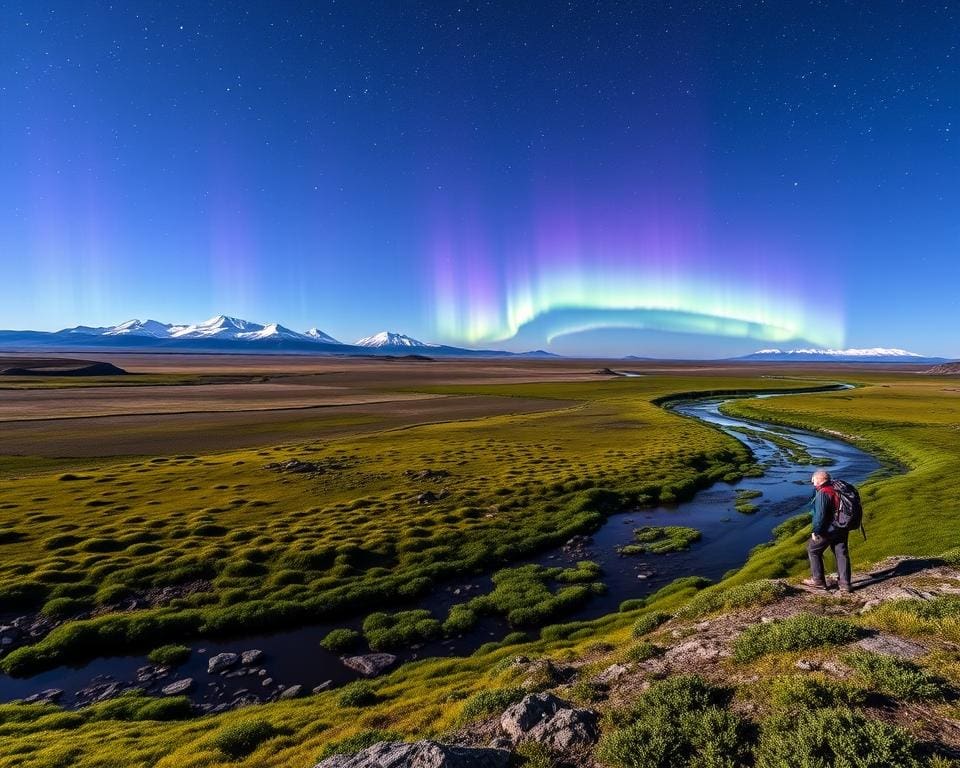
point(545, 719)
point(371, 664)
point(420, 754)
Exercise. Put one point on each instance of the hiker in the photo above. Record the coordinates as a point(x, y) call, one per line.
point(836, 510)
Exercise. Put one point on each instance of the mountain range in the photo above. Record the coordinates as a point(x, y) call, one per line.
point(871, 355)
point(231, 334)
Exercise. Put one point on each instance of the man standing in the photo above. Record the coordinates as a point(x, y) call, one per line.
point(826, 534)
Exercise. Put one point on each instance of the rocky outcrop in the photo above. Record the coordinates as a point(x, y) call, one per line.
point(371, 664)
point(545, 719)
point(178, 688)
point(420, 754)
point(221, 662)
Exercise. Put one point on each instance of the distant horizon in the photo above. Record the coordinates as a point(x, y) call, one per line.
point(505, 346)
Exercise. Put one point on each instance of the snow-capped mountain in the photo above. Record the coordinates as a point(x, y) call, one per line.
point(870, 355)
point(232, 334)
point(139, 328)
point(324, 338)
point(389, 339)
point(221, 327)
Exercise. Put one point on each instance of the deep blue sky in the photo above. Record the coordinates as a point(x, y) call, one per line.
point(742, 172)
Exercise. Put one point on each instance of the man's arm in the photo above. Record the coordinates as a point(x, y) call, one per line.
point(820, 513)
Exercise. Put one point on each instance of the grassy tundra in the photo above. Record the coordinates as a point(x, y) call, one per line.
point(289, 548)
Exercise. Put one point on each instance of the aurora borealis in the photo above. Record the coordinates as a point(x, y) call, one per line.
point(658, 179)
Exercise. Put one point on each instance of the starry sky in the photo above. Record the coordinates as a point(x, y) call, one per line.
point(659, 178)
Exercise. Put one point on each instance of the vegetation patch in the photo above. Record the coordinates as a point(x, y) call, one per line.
point(659, 540)
point(240, 739)
point(169, 655)
point(679, 721)
point(719, 599)
point(356, 743)
point(404, 628)
point(797, 633)
point(894, 677)
point(488, 702)
point(833, 737)
point(338, 640)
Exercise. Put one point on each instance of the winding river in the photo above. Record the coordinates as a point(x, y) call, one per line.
point(295, 657)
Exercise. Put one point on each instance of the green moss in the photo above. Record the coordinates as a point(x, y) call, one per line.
point(894, 677)
point(659, 540)
point(761, 592)
point(338, 640)
point(240, 739)
point(488, 702)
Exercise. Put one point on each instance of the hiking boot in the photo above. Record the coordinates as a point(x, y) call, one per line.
point(811, 584)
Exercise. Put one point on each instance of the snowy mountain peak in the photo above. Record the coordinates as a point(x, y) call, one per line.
point(390, 339)
point(220, 326)
point(317, 335)
point(152, 328)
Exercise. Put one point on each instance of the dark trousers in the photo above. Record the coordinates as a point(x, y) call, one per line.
point(837, 542)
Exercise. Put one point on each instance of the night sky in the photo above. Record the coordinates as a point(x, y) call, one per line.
point(604, 178)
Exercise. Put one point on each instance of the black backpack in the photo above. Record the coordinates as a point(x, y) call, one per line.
point(848, 515)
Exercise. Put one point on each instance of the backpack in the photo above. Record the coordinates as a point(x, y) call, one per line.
point(848, 510)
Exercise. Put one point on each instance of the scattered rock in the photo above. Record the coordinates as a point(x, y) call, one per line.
point(326, 685)
point(292, 692)
point(266, 682)
point(221, 662)
point(547, 720)
point(252, 656)
point(48, 696)
point(427, 497)
point(612, 673)
point(806, 665)
point(371, 664)
point(891, 645)
point(295, 466)
point(177, 688)
point(420, 754)
point(426, 474)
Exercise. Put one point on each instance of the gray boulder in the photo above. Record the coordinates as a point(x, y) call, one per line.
point(420, 754)
point(891, 645)
point(221, 661)
point(547, 720)
point(178, 687)
point(292, 692)
point(371, 664)
point(250, 657)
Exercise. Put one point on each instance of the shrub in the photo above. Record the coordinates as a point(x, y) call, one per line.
point(338, 640)
point(796, 633)
point(240, 739)
point(642, 651)
point(793, 693)
point(134, 706)
point(356, 743)
point(762, 592)
point(679, 721)
point(632, 604)
point(359, 693)
point(833, 737)
point(169, 655)
point(460, 619)
point(649, 622)
point(487, 702)
point(894, 677)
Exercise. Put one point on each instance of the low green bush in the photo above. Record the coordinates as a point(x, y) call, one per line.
point(342, 639)
point(169, 655)
point(791, 526)
point(659, 540)
point(641, 651)
point(822, 738)
point(356, 743)
point(648, 622)
point(359, 693)
point(796, 693)
point(633, 604)
point(65, 607)
point(135, 706)
point(487, 702)
point(796, 633)
point(240, 739)
point(894, 677)
point(682, 721)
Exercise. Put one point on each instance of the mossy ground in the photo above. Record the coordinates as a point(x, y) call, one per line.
point(265, 540)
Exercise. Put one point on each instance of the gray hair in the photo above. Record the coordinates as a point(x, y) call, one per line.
point(820, 477)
